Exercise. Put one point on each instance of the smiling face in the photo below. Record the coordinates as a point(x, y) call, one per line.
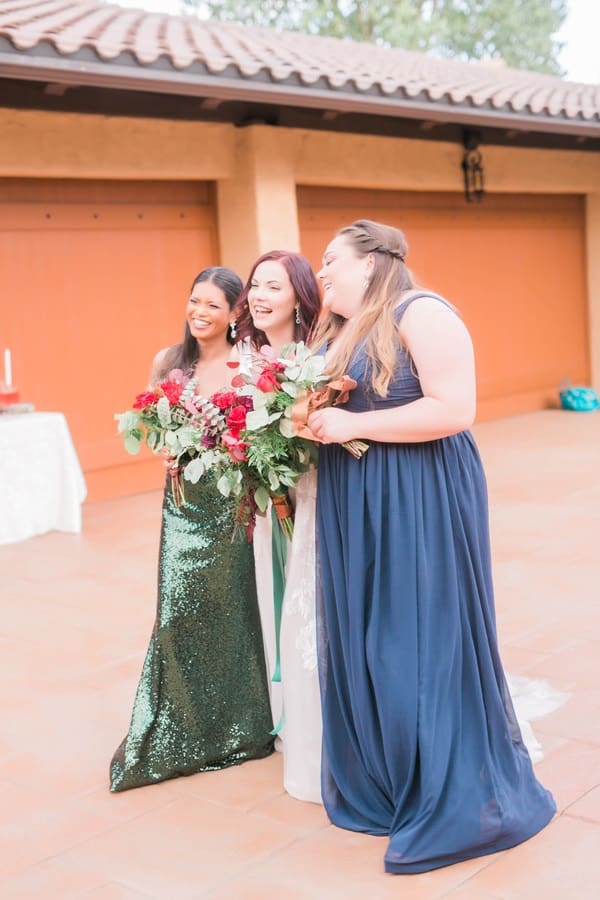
point(271, 298)
point(343, 277)
point(208, 314)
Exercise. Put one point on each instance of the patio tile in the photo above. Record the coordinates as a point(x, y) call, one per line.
point(256, 888)
point(32, 830)
point(471, 891)
point(242, 787)
point(553, 637)
point(302, 817)
point(570, 771)
point(518, 659)
point(180, 850)
point(338, 863)
point(544, 867)
point(49, 880)
point(578, 719)
point(36, 824)
point(113, 891)
point(587, 807)
point(572, 669)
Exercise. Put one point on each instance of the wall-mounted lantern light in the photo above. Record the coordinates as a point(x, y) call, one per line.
point(472, 166)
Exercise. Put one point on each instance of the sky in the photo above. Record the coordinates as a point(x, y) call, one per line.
point(580, 33)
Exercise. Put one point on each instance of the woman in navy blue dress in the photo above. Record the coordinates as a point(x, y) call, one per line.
point(420, 738)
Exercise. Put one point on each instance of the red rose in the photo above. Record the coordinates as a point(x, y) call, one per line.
point(224, 399)
point(172, 391)
point(146, 398)
point(267, 382)
point(236, 420)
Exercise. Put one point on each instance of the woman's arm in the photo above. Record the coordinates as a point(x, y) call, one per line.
point(441, 348)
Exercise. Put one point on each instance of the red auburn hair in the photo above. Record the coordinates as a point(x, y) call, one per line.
point(306, 290)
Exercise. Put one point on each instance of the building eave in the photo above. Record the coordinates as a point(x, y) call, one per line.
point(158, 78)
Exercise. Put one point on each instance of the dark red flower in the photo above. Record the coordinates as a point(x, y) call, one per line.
point(224, 399)
point(146, 398)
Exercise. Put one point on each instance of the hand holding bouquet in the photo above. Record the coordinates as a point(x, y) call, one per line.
point(172, 418)
point(332, 394)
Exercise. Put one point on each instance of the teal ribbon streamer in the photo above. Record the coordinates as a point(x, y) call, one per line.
point(279, 725)
point(279, 556)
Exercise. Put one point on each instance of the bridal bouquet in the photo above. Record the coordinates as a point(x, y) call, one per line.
point(276, 456)
point(278, 444)
point(172, 418)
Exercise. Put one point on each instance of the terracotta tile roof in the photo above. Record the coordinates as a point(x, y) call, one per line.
point(217, 58)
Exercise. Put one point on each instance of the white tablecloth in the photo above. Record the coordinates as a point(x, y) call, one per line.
point(41, 482)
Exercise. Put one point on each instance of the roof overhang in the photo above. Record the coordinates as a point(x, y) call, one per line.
point(43, 64)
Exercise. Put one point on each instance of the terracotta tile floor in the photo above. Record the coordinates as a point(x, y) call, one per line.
point(76, 615)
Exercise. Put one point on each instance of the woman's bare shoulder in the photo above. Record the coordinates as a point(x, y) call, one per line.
point(158, 364)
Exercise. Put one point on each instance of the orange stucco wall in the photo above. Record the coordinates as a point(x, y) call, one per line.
point(514, 265)
point(95, 279)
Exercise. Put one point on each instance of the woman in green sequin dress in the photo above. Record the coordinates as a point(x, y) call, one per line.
point(202, 702)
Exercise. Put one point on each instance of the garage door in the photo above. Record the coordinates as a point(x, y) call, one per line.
point(513, 265)
point(95, 276)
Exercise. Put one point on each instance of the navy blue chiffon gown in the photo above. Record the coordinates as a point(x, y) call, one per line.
point(420, 739)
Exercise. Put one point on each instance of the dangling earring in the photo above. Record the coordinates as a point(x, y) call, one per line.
point(366, 284)
point(233, 330)
point(297, 317)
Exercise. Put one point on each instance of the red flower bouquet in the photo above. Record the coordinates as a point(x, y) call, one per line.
point(171, 418)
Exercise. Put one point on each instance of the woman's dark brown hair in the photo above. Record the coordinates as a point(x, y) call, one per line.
point(185, 355)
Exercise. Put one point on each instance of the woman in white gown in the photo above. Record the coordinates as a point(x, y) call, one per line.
point(280, 304)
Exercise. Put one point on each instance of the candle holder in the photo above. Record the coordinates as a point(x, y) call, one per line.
point(9, 395)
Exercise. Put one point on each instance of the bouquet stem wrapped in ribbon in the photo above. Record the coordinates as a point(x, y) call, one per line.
point(285, 513)
point(332, 394)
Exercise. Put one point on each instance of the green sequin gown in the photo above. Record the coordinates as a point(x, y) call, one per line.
point(202, 702)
